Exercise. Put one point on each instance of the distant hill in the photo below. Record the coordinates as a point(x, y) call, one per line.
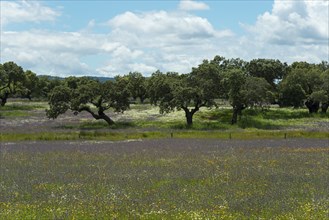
point(101, 79)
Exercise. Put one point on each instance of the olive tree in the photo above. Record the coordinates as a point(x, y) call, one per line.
point(79, 94)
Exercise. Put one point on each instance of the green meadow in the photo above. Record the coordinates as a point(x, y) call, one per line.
point(131, 171)
point(144, 121)
point(165, 182)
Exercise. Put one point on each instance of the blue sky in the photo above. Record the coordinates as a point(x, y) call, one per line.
point(107, 38)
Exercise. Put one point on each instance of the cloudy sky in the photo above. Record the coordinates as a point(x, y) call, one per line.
point(107, 38)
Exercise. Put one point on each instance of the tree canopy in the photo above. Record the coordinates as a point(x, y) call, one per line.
point(188, 92)
point(257, 83)
point(79, 94)
point(305, 84)
point(244, 91)
point(137, 85)
point(12, 78)
point(269, 69)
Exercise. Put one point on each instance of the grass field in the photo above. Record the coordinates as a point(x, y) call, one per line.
point(161, 180)
point(27, 121)
point(150, 166)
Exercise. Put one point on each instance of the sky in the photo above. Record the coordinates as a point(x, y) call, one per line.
point(115, 37)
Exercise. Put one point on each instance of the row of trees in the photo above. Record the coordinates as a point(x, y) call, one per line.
point(15, 82)
point(257, 83)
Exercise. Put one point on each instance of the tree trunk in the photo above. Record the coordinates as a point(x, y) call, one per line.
point(189, 115)
point(106, 118)
point(313, 107)
point(29, 96)
point(4, 99)
point(237, 110)
point(100, 115)
point(141, 98)
point(324, 107)
point(189, 118)
point(234, 119)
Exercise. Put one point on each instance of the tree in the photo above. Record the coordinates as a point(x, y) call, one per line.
point(78, 94)
point(184, 94)
point(189, 92)
point(257, 92)
point(159, 86)
point(234, 81)
point(271, 70)
point(30, 85)
point(46, 84)
point(137, 86)
point(291, 95)
point(246, 91)
point(323, 95)
point(303, 85)
point(235, 63)
point(12, 77)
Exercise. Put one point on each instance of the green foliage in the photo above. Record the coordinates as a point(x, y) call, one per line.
point(234, 81)
point(269, 69)
point(257, 92)
point(17, 83)
point(307, 84)
point(244, 91)
point(137, 86)
point(77, 94)
point(189, 92)
point(292, 95)
point(3, 77)
point(159, 86)
point(59, 101)
point(31, 85)
point(12, 78)
point(45, 85)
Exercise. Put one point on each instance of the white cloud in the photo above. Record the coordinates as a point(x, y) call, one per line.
point(26, 11)
point(43, 51)
point(189, 5)
point(158, 35)
point(141, 67)
point(165, 24)
point(292, 31)
point(171, 41)
point(294, 22)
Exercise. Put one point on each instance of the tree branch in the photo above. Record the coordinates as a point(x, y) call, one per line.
point(87, 109)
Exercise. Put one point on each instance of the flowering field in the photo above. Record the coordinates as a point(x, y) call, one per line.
point(165, 179)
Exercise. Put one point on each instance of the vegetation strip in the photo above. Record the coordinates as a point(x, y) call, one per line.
point(117, 136)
